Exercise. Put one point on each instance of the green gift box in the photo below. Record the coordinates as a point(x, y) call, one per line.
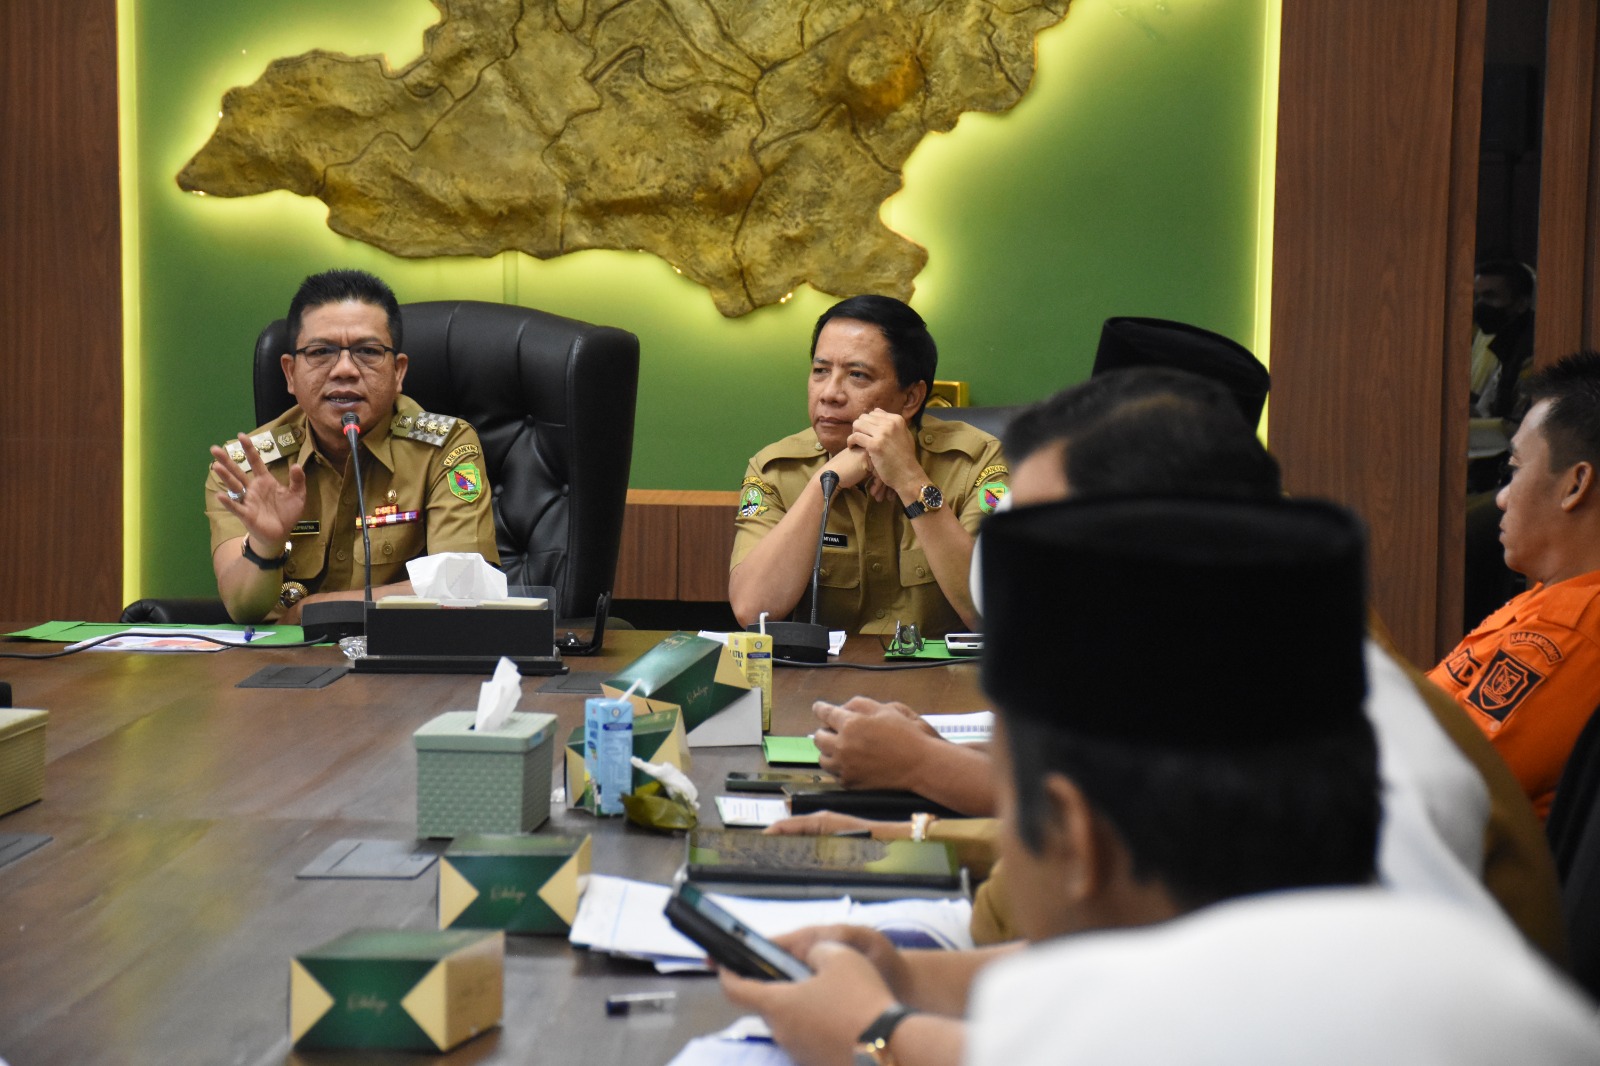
point(408, 989)
point(21, 757)
point(700, 678)
point(483, 782)
point(657, 737)
point(521, 884)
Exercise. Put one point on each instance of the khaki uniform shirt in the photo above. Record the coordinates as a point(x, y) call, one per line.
point(425, 493)
point(874, 573)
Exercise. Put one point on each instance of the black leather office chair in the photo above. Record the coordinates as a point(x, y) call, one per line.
point(552, 400)
point(1574, 832)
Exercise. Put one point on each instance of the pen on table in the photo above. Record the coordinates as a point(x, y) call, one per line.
point(249, 634)
point(619, 1005)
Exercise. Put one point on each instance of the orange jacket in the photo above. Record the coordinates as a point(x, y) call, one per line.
point(1529, 676)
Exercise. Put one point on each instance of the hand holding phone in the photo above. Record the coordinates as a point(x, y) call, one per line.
point(728, 941)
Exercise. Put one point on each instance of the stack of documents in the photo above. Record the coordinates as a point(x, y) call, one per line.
point(625, 917)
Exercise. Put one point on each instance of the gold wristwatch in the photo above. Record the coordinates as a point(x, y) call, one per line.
point(929, 498)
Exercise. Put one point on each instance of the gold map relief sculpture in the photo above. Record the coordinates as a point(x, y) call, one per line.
point(750, 144)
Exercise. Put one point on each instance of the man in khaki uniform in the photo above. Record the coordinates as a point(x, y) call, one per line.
point(281, 500)
point(910, 495)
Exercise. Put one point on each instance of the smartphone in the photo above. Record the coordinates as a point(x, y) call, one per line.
point(728, 941)
point(964, 643)
point(772, 780)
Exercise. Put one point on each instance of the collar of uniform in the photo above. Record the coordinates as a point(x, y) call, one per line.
point(378, 442)
point(1566, 603)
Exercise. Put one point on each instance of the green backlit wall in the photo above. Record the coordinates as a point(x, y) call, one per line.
point(1124, 183)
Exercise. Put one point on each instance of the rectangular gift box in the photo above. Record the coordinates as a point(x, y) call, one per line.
point(21, 757)
point(657, 737)
point(489, 782)
point(702, 679)
point(522, 884)
point(407, 989)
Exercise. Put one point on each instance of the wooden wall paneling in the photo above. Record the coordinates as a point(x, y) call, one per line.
point(1591, 243)
point(647, 564)
point(1566, 229)
point(705, 533)
point(60, 298)
point(1367, 142)
point(1461, 263)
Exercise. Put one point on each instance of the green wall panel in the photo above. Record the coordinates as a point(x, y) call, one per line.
point(1125, 182)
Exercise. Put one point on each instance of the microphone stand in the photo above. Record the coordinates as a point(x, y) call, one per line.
point(352, 432)
point(806, 642)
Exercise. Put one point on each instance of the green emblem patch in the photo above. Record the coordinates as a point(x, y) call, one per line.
point(751, 502)
point(465, 481)
point(990, 495)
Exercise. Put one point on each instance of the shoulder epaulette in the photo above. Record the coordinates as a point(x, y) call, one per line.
point(271, 447)
point(423, 426)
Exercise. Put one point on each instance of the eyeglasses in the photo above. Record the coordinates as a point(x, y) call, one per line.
point(366, 356)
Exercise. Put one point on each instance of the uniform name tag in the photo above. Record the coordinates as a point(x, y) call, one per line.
point(309, 527)
point(836, 540)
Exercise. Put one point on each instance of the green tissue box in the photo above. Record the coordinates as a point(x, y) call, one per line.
point(21, 757)
point(521, 884)
point(657, 737)
point(494, 782)
point(408, 989)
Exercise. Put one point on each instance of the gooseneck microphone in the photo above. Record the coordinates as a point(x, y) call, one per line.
point(806, 642)
point(830, 484)
point(352, 432)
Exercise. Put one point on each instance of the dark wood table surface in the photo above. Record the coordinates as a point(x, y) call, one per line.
point(158, 924)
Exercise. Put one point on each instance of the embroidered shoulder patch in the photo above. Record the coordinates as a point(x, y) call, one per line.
point(989, 473)
point(1546, 646)
point(461, 454)
point(1462, 666)
point(465, 481)
point(753, 493)
point(1503, 685)
point(990, 494)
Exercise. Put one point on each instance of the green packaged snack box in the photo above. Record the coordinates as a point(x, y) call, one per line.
point(406, 989)
point(522, 884)
point(657, 737)
point(490, 782)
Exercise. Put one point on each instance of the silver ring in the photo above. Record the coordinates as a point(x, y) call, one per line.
point(236, 496)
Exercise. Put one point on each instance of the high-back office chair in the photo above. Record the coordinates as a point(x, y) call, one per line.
point(552, 400)
point(1574, 832)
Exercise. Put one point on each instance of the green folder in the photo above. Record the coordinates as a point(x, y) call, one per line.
point(72, 632)
point(791, 751)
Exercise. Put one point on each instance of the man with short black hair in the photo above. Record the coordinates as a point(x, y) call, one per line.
point(1190, 809)
point(1529, 675)
point(285, 521)
point(911, 491)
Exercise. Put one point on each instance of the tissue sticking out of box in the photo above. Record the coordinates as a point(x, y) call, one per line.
point(498, 696)
point(454, 578)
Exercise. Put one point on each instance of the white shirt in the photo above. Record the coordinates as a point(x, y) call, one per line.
point(1335, 976)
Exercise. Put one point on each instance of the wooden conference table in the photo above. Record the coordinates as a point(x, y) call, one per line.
point(158, 925)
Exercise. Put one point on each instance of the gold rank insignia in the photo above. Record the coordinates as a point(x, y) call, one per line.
point(391, 496)
point(424, 426)
point(287, 438)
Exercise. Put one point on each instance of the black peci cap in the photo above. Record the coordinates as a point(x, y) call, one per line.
point(1131, 342)
point(1177, 623)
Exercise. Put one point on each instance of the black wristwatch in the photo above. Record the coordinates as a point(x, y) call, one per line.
point(929, 498)
point(265, 564)
point(872, 1046)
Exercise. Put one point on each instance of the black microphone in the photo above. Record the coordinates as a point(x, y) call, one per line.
point(830, 484)
point(352, 433)
point(806, 642)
